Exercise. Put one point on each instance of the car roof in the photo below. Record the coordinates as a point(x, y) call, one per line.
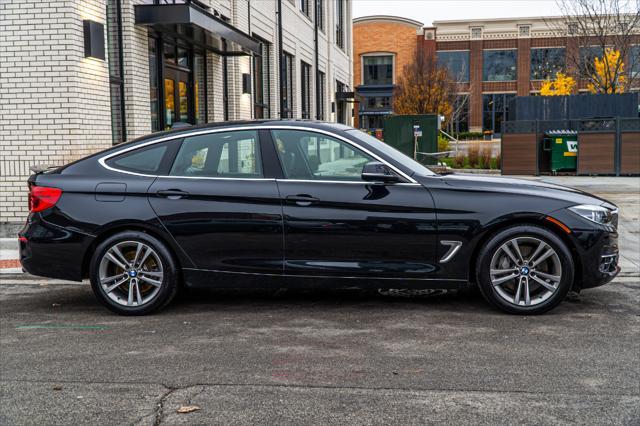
point(245, 123)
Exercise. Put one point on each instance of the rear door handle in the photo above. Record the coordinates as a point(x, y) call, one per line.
point(172, 194)
point(302, 200)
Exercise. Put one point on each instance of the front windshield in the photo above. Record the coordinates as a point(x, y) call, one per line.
point(392, 152)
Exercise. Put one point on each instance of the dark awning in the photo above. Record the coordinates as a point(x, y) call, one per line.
point(372, 91)
point(191, 22)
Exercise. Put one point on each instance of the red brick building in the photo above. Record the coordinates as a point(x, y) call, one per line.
point(493, 60)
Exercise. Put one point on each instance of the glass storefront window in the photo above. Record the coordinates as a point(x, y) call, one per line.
point(261, 86)
point(379, 102)
point(169, 102)
point(378, 69)
point(545, 63)
point(499, 65)
point(495, 107)
point(457, 63)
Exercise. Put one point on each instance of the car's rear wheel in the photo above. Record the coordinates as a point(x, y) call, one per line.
point(133, 273)
point(525, 270)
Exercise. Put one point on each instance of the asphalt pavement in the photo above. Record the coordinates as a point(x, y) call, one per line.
point(321, 357)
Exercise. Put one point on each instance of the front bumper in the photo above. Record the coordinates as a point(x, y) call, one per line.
point(599, 254)
point(50, 251)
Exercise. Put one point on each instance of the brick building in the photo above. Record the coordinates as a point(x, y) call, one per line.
point(77, 76)
point(493, 60)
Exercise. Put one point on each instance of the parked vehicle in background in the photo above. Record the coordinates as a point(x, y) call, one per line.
point(306, 204)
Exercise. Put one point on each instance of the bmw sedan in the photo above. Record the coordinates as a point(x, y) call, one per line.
point(300, 204)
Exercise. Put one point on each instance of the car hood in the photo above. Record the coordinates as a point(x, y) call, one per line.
point(572, 196)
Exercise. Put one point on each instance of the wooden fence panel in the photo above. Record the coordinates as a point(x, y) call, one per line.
point(596, 153)
point(630, 153)
point(519, 153)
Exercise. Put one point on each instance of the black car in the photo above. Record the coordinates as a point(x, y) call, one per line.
point(303, 204)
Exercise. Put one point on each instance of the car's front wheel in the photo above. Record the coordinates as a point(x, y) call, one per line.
point(525, 270)
point(133, 273)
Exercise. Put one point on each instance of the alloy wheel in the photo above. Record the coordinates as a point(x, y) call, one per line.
point(525, 271)
point(131, 273)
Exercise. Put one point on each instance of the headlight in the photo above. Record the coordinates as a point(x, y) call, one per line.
point(597, 214)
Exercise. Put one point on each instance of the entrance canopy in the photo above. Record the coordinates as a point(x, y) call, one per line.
point(193, 23)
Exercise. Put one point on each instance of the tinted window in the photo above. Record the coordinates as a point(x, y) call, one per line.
point(144, 160)
point(225, 154)
point(634, 59)
point(311, 156)
point(499, 65)
point(457, 63)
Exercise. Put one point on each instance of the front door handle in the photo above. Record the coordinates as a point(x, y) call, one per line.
point(303, 200)
point(172, 194)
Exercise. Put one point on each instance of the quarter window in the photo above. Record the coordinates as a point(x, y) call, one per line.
point(312, 156)
point(225, 154)
point(147, 160)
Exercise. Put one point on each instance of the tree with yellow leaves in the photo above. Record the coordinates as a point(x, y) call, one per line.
point(562, 85)
point(608, 73)
point(423, 88)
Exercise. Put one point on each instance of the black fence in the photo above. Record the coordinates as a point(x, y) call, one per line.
point(574, 107)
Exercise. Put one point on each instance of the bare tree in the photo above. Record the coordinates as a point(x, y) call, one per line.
point(592, 27)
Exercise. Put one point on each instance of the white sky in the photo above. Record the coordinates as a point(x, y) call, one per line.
point(427, 11)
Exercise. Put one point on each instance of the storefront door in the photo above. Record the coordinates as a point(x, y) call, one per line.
point(177, 97)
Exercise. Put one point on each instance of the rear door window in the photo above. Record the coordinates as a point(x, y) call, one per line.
point(221, 154)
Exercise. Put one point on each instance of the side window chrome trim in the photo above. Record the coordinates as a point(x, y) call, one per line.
point(350, 182)
point(102, 160)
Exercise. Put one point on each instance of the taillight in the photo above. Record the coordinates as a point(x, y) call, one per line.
point(43, 197)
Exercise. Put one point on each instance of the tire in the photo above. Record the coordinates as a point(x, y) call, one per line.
point(541, 282)
point(147, 286)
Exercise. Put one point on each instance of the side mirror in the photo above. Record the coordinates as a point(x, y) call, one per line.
point(376, 171)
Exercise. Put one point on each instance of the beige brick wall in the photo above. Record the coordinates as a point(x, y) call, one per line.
point(55, 103)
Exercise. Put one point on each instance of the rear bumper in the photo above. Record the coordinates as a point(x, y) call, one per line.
point(51, 251)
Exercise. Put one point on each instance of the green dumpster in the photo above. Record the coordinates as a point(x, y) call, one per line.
point(563, 147)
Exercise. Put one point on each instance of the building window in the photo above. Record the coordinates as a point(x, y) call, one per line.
point(495, 107)
point(320, 14)
point(340, 36)
point(460, 115)
point(377, 69)
point(322, 93)
point(116, 79)
point(286, 91)
point(305, 7)
point(499, 65)
point(457, 63)
point(587, 58)
point(154, 100)
point(305, 89)
point(261, 86)
point(379, 103)
point(545, 63)
point(634, 61)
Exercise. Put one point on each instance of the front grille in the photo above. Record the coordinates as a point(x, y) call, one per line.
point(608, 263)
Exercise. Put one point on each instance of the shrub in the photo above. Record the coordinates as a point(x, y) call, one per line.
point(458, 161)
point(485, 157)
point(473, 153)
point(463, 136)
point(443, 143)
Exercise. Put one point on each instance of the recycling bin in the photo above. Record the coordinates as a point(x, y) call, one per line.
point(563, 147)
